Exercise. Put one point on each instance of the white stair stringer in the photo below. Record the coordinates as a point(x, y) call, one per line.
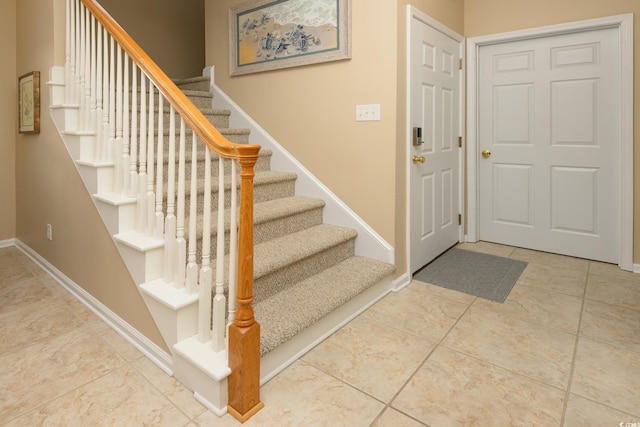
point(175, 312)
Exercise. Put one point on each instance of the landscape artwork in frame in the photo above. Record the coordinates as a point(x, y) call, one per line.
point(268, 35)
point(29, 103)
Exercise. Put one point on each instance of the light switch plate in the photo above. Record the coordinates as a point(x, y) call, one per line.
point(367, 112)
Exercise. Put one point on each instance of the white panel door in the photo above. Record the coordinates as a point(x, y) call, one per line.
point(434, 164)
point(548, 111)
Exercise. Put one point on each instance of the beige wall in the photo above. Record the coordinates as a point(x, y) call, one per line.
point(494, 16)
point(8, 125)
point(49, 189)
point(171, 32)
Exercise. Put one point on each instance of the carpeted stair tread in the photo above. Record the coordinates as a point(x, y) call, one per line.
point(284, 206)
point(191, 79)
point(287, 250)
point(263, 163)
point(219, 111)
point(260, 178)
point(199, 93)
point(194, 83)
point(269, 210)
point(286, 314)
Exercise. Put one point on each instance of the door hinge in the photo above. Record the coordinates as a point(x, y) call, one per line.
point(460, 141)
point(459, 219)
point(460, 64)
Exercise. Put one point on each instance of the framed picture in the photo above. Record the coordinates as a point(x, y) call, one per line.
point(268, 35)
point(29, 103)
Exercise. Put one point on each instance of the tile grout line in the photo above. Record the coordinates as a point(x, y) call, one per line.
point(567, 394)
point(435, 347)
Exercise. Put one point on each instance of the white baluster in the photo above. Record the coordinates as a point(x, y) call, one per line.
point(233, 245)
point(97, 146)
point(141, 223)
point(77, 38)
point(150, 195)
point(113, 145)
point(87, 71)
point(93, 72)
point(74, 52)
point(204, 306)
point(192, 266)
point(170, 221)
point(104, 129)
point(181, 243)
point(118, 146)
point(158, 231)
point(125, 128)
point(219, 301)
point(133, 160)
point(80, 69)
point(68, 53)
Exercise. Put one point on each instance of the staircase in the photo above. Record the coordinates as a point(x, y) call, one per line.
point(313, 264)
point(304, 269)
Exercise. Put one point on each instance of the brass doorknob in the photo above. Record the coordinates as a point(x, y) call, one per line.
point(418, 159)
point(486, 153)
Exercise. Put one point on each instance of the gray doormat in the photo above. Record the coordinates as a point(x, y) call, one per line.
point(485, 276)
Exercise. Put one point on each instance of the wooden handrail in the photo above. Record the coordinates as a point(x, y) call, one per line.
point(244, 333)
point(194, 117)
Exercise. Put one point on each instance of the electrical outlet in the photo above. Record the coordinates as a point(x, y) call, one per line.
point(49, 232)
point(367, 112)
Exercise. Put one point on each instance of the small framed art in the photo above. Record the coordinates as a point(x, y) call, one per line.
point(273, 34)
point(29, 103)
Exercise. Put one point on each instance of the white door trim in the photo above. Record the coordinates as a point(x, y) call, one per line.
point(412, 13)
point(624, 24)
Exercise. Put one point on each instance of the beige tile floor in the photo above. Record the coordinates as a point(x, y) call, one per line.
point(563, 350)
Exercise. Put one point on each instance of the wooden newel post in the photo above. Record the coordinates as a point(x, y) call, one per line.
point(244, 332)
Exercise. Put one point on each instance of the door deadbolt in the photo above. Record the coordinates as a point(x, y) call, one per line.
point(417, 136)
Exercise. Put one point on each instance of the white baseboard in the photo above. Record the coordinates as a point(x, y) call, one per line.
point(157, 355)
point(7, 243)
point(401, 282)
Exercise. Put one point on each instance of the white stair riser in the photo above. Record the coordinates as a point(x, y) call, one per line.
point(118, 218)
point(143, 266)
point(211, 393)
point(97, 179)
point(174, 324)
point(65, 117)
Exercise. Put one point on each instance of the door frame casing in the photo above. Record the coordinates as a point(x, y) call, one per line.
point(413, 12)
point(624, 25)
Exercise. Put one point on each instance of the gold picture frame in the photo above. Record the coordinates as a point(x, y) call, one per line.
point(29, 103)
point(268, 35)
